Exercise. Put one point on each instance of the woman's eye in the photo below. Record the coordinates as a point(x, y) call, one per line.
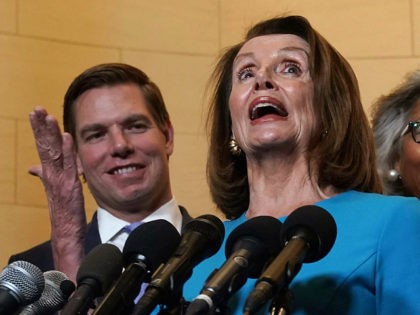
point(244, 74)
point(291, 68)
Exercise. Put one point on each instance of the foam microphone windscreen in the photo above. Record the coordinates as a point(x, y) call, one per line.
point(266, 230)
point(210, 227)
point(318, 226)
point(154, 241)
point(103, 264)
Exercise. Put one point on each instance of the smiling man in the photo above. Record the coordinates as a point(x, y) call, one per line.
point(118, 137)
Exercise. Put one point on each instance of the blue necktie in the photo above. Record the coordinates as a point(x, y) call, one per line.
point(121, 236)
point(131, 227)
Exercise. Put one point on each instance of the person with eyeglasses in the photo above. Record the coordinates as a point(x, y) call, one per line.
point(413, 127)
point(396, 128)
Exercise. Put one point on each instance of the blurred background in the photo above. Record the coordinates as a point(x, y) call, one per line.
point(44, 44)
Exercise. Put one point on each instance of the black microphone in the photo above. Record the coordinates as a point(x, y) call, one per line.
point(149, 245)
point(309, 233)
point(248, 249)
point(98, 270)
point(21, 283)
point(201, 238)
point(57, 290)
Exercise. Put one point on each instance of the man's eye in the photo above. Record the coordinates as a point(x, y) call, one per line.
point(94, 136)
point(137, 127)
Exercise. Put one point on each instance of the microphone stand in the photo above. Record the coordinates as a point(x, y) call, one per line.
point(174, 302)
point(282, 302)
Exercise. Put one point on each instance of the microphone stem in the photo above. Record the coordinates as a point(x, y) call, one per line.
point(278, 274)
point(147, 302)
point(178, 309)
point(282, 302)
point(121, 296)
point(287, 264)
point(280, 311)
point(80, 301)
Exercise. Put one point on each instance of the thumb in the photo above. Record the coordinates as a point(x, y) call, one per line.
point(36, 170)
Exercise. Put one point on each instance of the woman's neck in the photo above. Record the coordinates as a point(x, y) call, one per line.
point(277, 189)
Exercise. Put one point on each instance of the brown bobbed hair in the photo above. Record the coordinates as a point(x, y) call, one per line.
point(341, 152)
point(110, 74)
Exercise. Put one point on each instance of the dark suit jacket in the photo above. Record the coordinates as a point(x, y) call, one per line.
point(41, 255)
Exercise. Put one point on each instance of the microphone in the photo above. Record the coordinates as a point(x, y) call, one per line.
point(248, 248)
point(309, 233)
point(21, 283)
point(57, 290)
point(201, 238)
point(149, 245)
point(101, 266)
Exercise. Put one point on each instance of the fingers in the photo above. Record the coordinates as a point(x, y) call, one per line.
point(42, 123)
point(48, 138)
point(69, 154)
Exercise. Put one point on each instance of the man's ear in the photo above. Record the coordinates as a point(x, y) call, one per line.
point(80, 171)
point(169, 136)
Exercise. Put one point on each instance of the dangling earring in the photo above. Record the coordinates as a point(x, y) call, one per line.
point(393, 175)
point(234, 148)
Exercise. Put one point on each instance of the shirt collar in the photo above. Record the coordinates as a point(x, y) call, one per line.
point(109, 225)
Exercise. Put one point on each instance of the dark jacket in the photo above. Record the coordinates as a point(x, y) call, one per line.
point(41, 255)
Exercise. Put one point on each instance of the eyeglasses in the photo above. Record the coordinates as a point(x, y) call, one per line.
point(414, 127)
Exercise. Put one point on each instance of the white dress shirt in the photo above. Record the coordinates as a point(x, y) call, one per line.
point(110, 226)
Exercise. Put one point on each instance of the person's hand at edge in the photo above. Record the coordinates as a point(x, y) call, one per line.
point(60, 175)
